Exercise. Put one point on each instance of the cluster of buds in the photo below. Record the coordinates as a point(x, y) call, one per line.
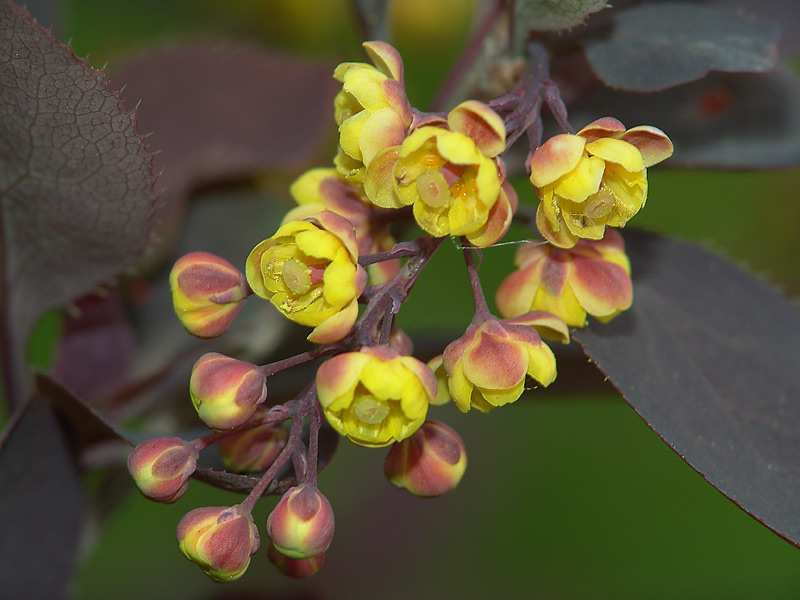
point(335, 249)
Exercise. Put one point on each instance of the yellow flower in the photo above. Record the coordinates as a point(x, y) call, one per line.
point(325, 189)
point(592, 277)
point(487, 366)
point(450, 174)
point(309, 271)
point(375, 396)
point(594, 179)
point(372, 110)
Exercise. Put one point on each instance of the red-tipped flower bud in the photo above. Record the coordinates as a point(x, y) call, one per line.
point(299, 568)
point(220, 539)
point(253, 449)
point(301, 524)
point(161, 467)
point(225, 391)
point(207, 293)
point(429, 463)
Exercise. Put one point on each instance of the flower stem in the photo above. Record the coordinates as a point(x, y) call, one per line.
point(300, 410)
point(481, 307)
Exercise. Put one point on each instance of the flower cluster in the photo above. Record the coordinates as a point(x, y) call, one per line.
point(336, 250)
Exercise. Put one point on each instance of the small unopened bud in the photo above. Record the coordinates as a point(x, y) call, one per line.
point(253, 449)
point(161, 467)
point(429, 463)
point(298, 568)
point(225, 391)
point(301, 524)
point(220, 539)
point(207, 293)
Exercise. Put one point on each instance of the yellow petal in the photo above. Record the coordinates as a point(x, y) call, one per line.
point(617, 151)
point(583, 181)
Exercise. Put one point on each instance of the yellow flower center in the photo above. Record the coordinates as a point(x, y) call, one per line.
point(369, 410)
point(432, 189)
point(296, 276)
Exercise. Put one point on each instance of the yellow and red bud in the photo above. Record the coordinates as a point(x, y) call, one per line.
point(253, 449)
point(208, 293)
point(593, 277)
point(301, 525)
point(297, 568)
point(225, 391)
point(487, 366)
point(161, 467)
point(429, 463)
point(220, 539)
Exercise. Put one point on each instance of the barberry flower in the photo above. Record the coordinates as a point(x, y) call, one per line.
point(253, 449)
point(208, 293)
point(486, 367)
point(297, 568)
point(220, 539)
point(309, 271)
point(372, 110)
point(161, 467)
point(375, 396)
point(592, 277)
point(324, 189)
point(429, 463)
point(301, 525)
point(451, 176)
point(594, 179)
point(225, 391)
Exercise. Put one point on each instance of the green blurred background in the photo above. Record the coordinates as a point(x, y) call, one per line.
point(564, 497)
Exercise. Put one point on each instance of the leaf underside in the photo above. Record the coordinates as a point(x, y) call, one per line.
point(708, 356)
point(552, 15)
point(661, 45)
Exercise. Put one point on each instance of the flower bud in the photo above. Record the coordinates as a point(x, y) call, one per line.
point(225, 391)
point(298, 568)
point(207, 293)
point(429, 463)
point(220, 539)
point(161, 467)
point(301, 525)
point(253, 449)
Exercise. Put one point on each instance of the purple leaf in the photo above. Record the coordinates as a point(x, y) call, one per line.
point(657, 46)
point(725, 121)
point(708, 356)
point(221, 114)
point(86, 426)
point(96, 348)
point(75, 178)
point(552, 15)
point(41, 505)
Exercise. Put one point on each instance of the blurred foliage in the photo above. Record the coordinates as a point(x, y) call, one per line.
point(598, 508)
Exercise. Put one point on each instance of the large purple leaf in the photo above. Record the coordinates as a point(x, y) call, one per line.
point(76, 184)
point(41, 505)
point(708, 356)
point(661, 45)
point(227, 113)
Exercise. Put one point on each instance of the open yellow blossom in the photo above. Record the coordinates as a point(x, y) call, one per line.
point(375, 396)
point(450, 174)
point(595, 178)
point(309, 271)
